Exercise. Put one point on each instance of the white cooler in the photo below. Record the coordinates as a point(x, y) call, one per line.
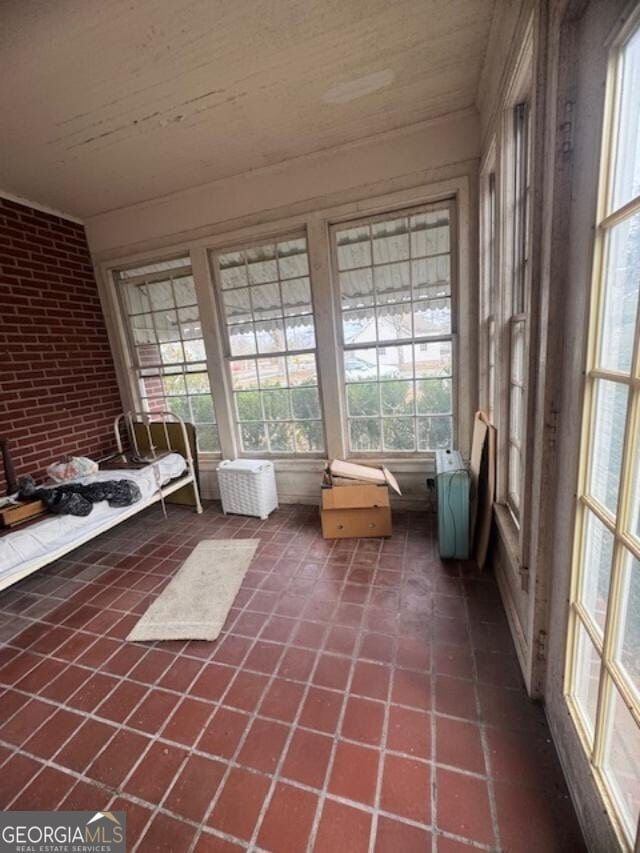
point(247, 487)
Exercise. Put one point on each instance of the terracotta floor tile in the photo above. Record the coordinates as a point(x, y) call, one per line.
point(409, 731)
point(377, 647)
point(287, 824)
point(167, 834)
point(16, 773)
point(264, 657)
point(531, 820)
point(371, 679)
point(92, 692)
point(307, 758)
point(188, 721)
point(282, 700)
point(137, 818)
point(263, 745)
point(343, 828)
point(180, 674)
point(208, 843)
point(363, 720)
point(393, 837)
point(125, 660)
point(297, 663)
point(332, 671)
point(406, 788)
point(462, 806)
point(212, 682)
point(195, 787)
point(232, 649)
point(239, 803)
point(117, 758)
point(456, 696)
point(246, 691)
point(354, 773)
point(50, 737)
point(85, 744)
point(411, 688)
point(65, 684)
point(413, 654)
point(46, 790)
point(222, 735)
point(119, 704)
point(152, 713)
point(458, 743)
point(321, 710)
point(41, 675)
point(86, 797)
point(156, 772)
point(23, 724)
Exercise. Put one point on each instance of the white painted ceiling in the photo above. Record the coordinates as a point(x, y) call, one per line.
point(105, 103)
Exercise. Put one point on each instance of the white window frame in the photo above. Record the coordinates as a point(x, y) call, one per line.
point(489, 283)
point(613, 683)
point(175, 267)
point(380, 216)
point(214, 256)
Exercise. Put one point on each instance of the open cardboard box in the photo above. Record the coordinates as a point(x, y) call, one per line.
point(354, 500)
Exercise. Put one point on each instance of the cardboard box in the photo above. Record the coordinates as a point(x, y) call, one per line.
point(356, 508)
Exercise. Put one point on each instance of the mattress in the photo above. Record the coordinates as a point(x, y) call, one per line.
point(21, 547)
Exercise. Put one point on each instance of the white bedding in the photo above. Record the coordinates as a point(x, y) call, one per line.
point(19, 548)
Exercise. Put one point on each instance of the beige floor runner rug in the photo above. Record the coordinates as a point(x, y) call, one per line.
point(195, 604)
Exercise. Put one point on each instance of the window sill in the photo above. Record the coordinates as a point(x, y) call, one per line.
point(509, 534)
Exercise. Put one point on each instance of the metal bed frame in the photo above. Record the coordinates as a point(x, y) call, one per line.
point(188, 479)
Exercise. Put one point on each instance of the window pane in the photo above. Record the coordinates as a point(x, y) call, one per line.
point(143, 329)
point(300, 332)
point(197, 383)
point(276, 405)
point(621, 285)
point(359, 327)
point(626, 176)
point(265, 299)
point(597, 558)
point(514, 477)
point(194, 350)
point(610, 404)
point(166, 323)
point(390, 241)
point(394, 322)
point(248, 406)
point(305, 403)
point(190, 326)
point(184, 291)
point(270, 336)
point(433, 359)
point(635, 491)
point(435, 433)
point(360, 364)
point(253, 437)
point(172, 353)
point(405, 274)
point(261, 264)
point(296, 296)
point(202, 409)
point(516, 406)
point(393, 283)
point(628, 644)
point(586, 678)
point(293, 259)
point(179, 406)
point(281, 438)
point(399, 434)
point(356, 288)
point(244, 373)
point(309, 437)
point(431, 278)
point(621, 765)
point(161, 295)
point(302, 369)
point(432, 317)
point(272, 373)
point(174, 385)
point(237, 307)
point(233, 272)
point(434, 396)
point(365, 434)
point(242, 339)
point(354, 248)
point(396, 362)
point(397, 398)
point(136, 297)
point(363, 399)
point(207, 438)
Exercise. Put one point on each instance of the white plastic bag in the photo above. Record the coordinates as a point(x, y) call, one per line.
point(69, 469)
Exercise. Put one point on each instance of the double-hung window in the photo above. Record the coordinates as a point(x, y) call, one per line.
point(603, 652)
point(265, 295)
point(394, 276)
point(518, 303)
point(166, 347)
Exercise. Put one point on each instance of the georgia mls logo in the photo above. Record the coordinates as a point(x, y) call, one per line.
point(63, 832)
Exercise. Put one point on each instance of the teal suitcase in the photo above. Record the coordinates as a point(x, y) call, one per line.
point(453, 485)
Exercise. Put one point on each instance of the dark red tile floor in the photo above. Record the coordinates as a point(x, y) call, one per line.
point(364, 696)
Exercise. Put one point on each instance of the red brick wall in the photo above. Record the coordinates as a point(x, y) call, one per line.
point(58, 390)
